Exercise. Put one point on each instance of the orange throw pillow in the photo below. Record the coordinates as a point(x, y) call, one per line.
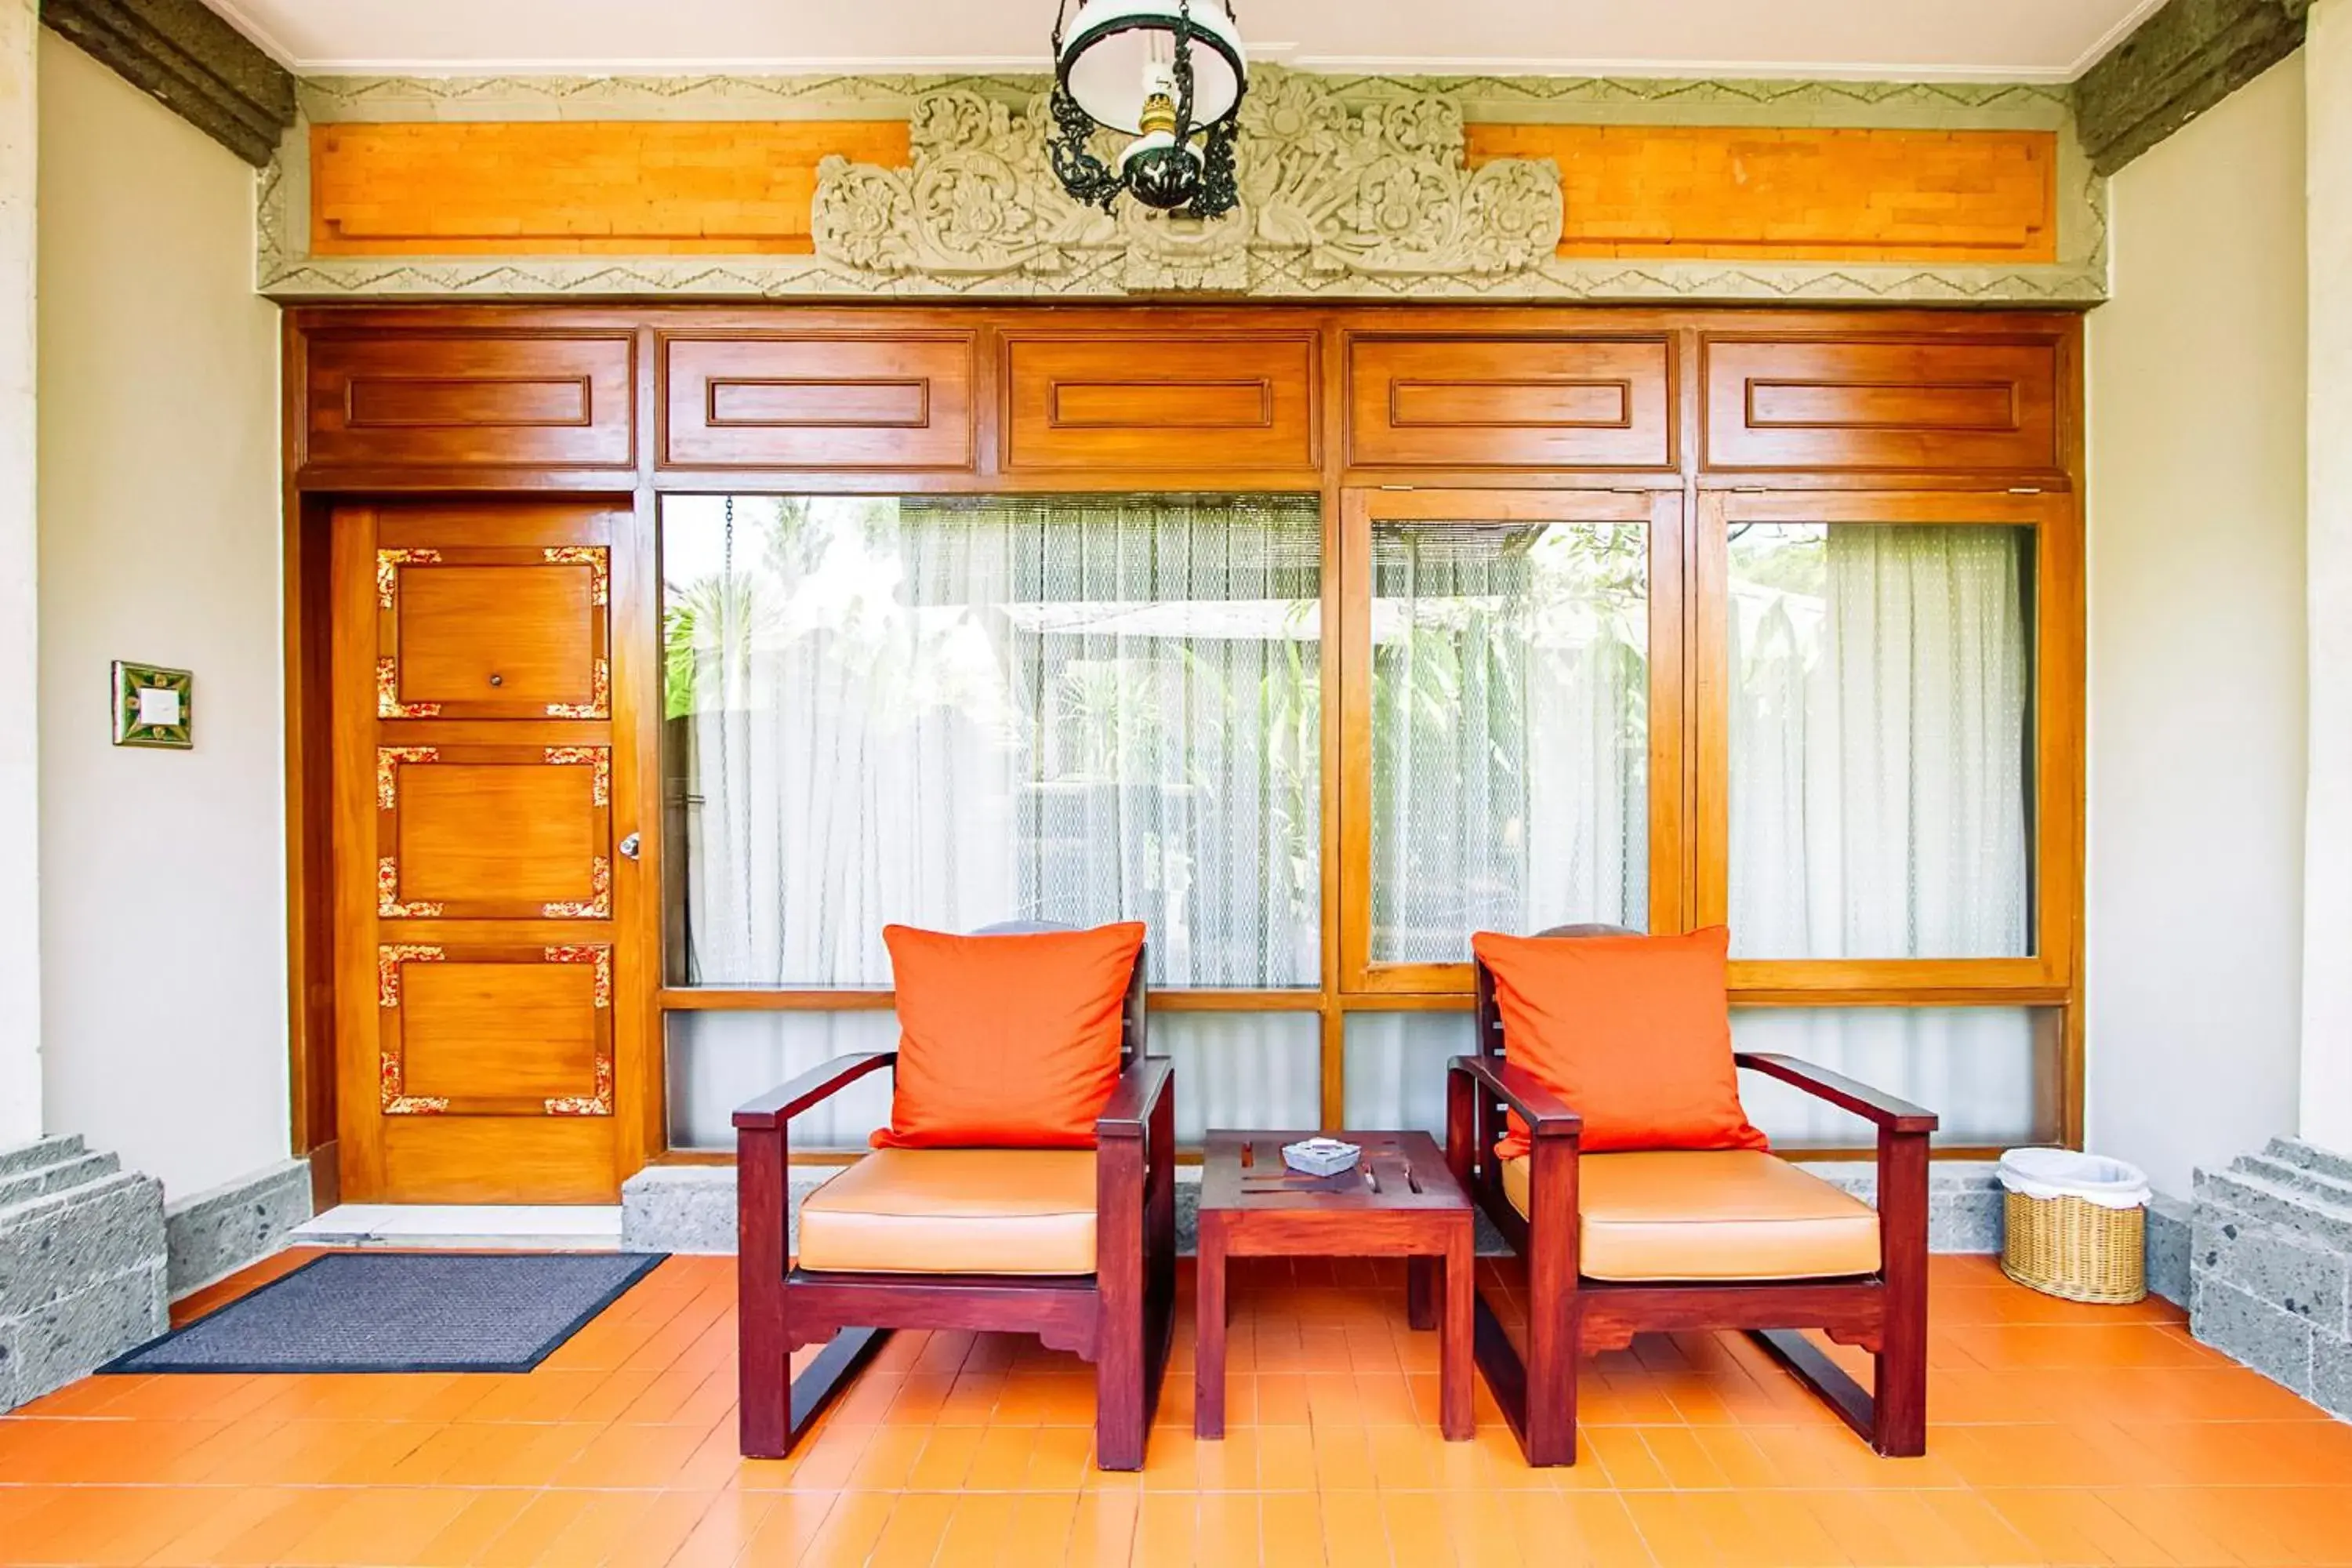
point(1634, 1032)
point(1006, 1042)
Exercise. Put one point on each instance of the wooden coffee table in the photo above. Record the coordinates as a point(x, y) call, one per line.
point(1399, 1201)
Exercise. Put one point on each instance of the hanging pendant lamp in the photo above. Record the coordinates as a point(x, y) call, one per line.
point(1169, 73)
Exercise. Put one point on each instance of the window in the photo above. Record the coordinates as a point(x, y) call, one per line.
point(1511, 731)
point(1516, 699)
point(1888, 765)
point(1840, 722)
point(1881, 684)
point(957, 712)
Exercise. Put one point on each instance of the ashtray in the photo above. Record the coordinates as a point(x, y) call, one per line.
point(1320, 1156)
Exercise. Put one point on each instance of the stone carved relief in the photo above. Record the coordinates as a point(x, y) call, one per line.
point(1328, 191)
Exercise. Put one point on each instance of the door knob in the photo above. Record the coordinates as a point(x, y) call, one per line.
point(497, 680)
point(630, 846)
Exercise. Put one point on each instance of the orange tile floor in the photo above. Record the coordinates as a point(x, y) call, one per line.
point(2062, 1433)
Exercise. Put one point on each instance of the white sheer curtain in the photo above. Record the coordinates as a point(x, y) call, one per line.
point(1232, 1069)
point(1991, 1073)
point(1881, 677)
point(1511, 731)
point(1396, 1068)
point(953, 712)
point(1880, 779)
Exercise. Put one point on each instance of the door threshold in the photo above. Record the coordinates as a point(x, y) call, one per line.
point(519, 1228)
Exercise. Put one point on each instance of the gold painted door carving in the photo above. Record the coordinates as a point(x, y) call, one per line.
point(479, 823)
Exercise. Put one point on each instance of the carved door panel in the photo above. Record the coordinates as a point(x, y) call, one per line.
point(476, 837)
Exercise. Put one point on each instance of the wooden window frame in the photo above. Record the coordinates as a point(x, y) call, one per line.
point(1659, 511)
point(2047, 975)
point(495, 471)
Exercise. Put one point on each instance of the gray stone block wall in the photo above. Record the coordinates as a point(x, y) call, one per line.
point(2271, 1267)
point(216, 1233)
point(82, 1265)
point(2170, 1224)
point(1964, 1199)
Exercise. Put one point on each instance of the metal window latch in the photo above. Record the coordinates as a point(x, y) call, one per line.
point(630, 846)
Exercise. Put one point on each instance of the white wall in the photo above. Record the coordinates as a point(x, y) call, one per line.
point(163, 887)
point(2327, 1087)
point(2197, 643)
point(20, 935)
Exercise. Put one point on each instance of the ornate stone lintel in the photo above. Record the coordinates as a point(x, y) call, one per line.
point(1061, 250)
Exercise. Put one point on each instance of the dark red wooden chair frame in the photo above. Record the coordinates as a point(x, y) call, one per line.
point(1884, 1313)
point(1120, 1317)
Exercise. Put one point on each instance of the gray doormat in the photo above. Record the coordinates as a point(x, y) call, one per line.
point(401, 1312)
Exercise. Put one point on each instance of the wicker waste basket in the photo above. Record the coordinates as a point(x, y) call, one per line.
point(2077, 1225)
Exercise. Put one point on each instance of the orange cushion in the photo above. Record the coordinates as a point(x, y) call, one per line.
point(1634, 1032)
point(1006, 1042)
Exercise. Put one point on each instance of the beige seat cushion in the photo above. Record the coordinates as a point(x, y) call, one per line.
point(1731, 1214)
point(955, 1211)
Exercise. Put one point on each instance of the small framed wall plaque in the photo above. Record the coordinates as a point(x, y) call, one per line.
point(153, 707)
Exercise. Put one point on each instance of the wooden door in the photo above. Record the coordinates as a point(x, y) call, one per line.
point(478, 857)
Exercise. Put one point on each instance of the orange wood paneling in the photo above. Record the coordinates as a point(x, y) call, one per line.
point(1523, 402)
point(1197, 403)
point(1920, 405)
point(1807, 194)
point(493, 631)
point(503, 1031)
point(496, 832)
point(477, 903)
point(823, 401)
point(466, 398)
point(578, 187)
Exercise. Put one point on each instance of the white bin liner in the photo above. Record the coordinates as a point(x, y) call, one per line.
point(2062, 1173)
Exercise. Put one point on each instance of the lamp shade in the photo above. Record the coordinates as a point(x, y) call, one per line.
point(1117, 53)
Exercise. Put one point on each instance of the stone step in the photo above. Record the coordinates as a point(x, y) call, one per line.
point(2257, 1195)
point(2303, 1179)
point(2311, 1157)
point(75, 1170)
point(40, 1151)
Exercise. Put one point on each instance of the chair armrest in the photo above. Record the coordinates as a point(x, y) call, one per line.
point(1546, 1114)
point(1885, 1111)
point(779, 1105)
point(1132, 1099)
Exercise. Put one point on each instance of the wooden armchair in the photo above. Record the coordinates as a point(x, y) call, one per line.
point(1627, 1243)
point(1074, 1246)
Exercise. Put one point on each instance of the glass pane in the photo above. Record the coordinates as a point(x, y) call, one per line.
point(1511, 731)
point(1232, 1069)
point(1991, 1073)
point(1881, 740)
point(956, 712)
point(1242, 1069)
point(1396, 1068)
point(719, 1060)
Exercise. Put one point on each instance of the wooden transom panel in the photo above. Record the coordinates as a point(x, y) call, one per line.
point(495, 1030)
point(1942, 403)
point(494, 832)
point(1520, 402)
point(828, 401)
point(1188, 404)
point(448, 399)
point(494, 632)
